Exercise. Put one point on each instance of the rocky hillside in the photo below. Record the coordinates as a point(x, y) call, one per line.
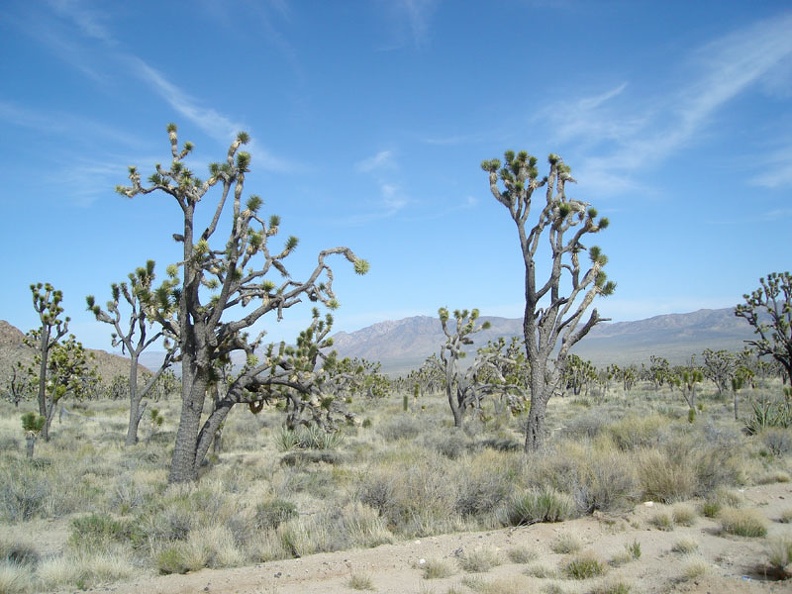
point(13, 349)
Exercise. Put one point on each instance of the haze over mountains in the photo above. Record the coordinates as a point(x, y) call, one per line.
point(402, 345)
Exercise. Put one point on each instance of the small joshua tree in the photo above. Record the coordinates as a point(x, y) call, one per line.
point(47, 303)
point(62, 368)
point(554, 307)
point(146, 305)
point(458, 387)
point(32, 424)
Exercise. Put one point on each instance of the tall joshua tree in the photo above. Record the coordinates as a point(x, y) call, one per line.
point(554, 306)
point(146, 305)
point(225, 290)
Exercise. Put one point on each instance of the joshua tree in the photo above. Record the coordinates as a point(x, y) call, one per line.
point(232, 280)
point(146, 305)
point(458, 387)
point(47, 303)
point(551, 317)
point(720, 367)
point(769, 310)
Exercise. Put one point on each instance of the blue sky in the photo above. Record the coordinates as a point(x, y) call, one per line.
point(369, 120)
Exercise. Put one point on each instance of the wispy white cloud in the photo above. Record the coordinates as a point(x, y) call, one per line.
point(382, 160)
point(215, 124)
point(629, 135)
point(411, 21)
point(93, 23)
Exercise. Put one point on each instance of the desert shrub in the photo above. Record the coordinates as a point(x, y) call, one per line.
point(452, 445)
point(17, 552)
point(665, 478)
point(530, 507)
point(521, 555)
point(587, 426)
point(272, 513)
point(786, 516)
point(662, 520)
point(401, 427)
point(206, 546)
point(24, 492)
point(356, 525)
point(305, 535)
point(302, 458)
point(483, 483)
point(480, 560)
point(779, 556)
point(743, 522)
point(501, 444)
point(596, 474)
point(777, 441)
point(583, 567)
point(96, 531)
point(84, 569)
point(635, 432)
point(16, 579)
point(411, 492)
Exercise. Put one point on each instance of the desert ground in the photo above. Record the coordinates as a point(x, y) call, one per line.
point(721, 564)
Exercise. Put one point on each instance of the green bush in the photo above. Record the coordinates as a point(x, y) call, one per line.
point(546, 505)
point(97, 530)
point(272, 513)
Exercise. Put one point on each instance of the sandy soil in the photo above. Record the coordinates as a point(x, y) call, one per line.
point(734, 564)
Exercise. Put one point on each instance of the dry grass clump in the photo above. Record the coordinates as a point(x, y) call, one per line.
point(685, 546)
point(690, 464)
point(521, 555)
point(695, 566)
point(584, 566)
point(359, 581)
point(786, 516)
point(632, 552)
point(480, 560)
point(684, 514)
point(743, 522)
point(437, 569)
point(85, 569)
point(662, 520)
point(612, 587)
point(16, 579)
point(779, 556)
point(566, 543)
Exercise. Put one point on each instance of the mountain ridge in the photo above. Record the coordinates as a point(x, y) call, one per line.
point(404, 344)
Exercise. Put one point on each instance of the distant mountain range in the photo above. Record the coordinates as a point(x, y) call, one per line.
point(404, 344)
